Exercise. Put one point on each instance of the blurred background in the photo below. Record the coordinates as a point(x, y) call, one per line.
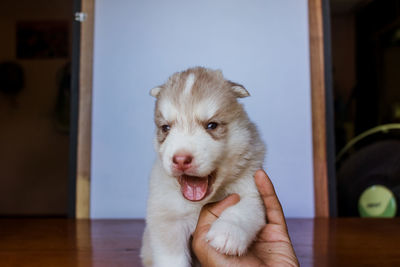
point(263, 45)
point(35, 52)
point(366, 83)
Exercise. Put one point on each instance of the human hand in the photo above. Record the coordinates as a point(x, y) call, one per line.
point(272, 246)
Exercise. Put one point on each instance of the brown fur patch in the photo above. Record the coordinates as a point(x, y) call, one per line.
point(219, 133)
point(160, 121)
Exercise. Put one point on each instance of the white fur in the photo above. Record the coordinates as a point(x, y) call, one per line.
point(203, 148)
point(189, 83)
point(171, 219)
point(168, 110)
point(206, 109)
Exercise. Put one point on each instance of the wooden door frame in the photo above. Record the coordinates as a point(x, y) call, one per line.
point(321, 99)
point(81, 111)
point(322, 108)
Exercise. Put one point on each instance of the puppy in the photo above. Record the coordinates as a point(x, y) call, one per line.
point(207, 149)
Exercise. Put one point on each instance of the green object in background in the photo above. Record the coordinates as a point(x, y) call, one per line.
point(377, 201)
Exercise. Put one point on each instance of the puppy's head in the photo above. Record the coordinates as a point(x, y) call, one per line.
point(195, 114)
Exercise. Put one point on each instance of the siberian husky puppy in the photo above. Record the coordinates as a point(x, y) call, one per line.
point(207, 149)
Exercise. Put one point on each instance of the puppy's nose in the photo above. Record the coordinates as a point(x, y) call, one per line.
point(182, 161)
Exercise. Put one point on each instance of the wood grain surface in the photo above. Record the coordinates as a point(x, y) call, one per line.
point(67, 242)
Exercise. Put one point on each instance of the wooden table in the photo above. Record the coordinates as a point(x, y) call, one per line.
point(63, 242)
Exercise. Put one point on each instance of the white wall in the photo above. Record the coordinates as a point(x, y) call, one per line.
point(138, 44)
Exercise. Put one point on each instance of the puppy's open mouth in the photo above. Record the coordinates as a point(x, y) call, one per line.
point(195, 188)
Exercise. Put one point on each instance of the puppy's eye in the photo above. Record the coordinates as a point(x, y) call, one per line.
point(165, 128)
point(212, 126)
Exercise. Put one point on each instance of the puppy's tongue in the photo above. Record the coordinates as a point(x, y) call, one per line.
point(194, 188)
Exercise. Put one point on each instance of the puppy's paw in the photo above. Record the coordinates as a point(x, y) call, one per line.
point(228, 238)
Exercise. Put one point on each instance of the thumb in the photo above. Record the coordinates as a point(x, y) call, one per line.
point(211, 212)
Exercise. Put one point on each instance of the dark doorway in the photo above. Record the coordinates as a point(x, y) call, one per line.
point(366, 68)
point(35, 91)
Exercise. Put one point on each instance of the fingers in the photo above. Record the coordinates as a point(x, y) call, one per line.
point(212, 211)
point(273, 208)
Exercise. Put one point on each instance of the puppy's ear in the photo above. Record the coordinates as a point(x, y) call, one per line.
point(155, 92)
point(238, 90)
